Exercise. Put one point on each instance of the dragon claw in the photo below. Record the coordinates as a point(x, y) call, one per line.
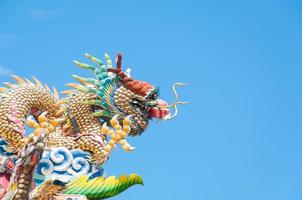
point(42, 117)
point(132, 148)
point(42, 126)
point(114, 121)
point(118, 134)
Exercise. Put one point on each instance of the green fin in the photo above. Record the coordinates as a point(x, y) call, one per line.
point(102, 188)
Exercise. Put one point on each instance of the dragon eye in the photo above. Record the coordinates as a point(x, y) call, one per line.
point(136, 102)
point(153, 96)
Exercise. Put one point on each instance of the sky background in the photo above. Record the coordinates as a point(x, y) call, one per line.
point(239, 139)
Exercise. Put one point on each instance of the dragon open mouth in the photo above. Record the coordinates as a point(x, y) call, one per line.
point(160, 111)
point(149, 112)
point(159, 108)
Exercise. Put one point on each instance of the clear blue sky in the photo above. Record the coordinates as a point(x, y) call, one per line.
point(239, 139)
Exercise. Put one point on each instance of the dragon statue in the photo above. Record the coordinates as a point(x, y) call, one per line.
point(73, 136)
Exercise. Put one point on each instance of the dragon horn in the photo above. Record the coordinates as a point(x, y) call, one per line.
point(119, 61)
point(118, 70)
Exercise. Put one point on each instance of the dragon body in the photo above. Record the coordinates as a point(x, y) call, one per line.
point(32, 98)
point(112, 104)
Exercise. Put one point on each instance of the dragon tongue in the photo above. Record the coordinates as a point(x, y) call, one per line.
point(159, 112)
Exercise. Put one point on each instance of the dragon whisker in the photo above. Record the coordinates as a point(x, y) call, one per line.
point(176, 96)
point(176, 102)
point(169, 117)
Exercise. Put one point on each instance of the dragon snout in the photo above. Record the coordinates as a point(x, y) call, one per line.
point(160, 111)
point(161, 107)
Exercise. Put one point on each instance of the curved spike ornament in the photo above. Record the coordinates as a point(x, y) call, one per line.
point(75, 135)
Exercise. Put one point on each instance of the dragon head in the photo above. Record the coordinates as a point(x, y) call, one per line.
point(119, 94)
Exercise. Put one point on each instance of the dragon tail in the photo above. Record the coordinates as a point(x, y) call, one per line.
point(100, 187)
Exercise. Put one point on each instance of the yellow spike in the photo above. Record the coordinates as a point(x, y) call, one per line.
point(55, 93)
point(9, 85)
point(68, 92)
point(74, 85)
point(78, 87)
point(38, 83)
point(47, 88)
point(18, 79)
point(3, 89)
point(28, 81)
